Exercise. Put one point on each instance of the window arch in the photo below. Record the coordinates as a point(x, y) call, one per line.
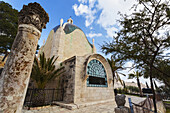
point(97, 74)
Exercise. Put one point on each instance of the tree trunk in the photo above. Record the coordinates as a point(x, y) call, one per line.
point(153, 91)
point(139, 86)
point(113, 74)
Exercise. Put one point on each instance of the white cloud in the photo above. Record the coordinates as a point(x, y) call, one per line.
point(91, 35)
point(85, 11)
point(91, 28)
point(111, 31)
point(110, 9)
point(80, 10)
point(105, 10)
point(83, 1)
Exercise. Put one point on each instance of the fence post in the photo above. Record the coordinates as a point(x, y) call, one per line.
point(63, 95)
point(131, 106)
point(30, 101)
point(53, 95)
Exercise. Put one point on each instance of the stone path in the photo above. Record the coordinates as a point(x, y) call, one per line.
point(98, 108)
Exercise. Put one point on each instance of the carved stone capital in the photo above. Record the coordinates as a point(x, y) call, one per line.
point(34, 14)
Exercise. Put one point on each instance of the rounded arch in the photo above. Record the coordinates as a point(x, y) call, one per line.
point(105, 64)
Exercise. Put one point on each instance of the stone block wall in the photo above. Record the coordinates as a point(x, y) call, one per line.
point(76, 44)
point(68, 83)
point(47, 47)
point(89, 94)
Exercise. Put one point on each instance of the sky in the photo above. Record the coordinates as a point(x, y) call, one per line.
point(97, 18)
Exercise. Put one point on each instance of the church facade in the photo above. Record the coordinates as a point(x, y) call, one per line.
point(88, 76)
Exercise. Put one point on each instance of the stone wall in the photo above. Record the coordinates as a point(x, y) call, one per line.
point(69, 80)
point(73, 81)
point(90, 94)
point(76, 44)
point(117, 84)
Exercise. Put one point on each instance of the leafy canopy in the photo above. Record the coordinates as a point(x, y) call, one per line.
point(114, 64)
point(164, 67)
point(116, 67)
point(44, 71)
point(136, 75)
point(144, 35)
point(8, 26)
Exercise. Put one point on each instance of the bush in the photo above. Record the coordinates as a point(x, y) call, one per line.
point(128, 89)
point(133, 89)
point(122, 91)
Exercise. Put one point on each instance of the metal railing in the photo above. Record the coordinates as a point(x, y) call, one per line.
point(42, 97)
point(144, 107)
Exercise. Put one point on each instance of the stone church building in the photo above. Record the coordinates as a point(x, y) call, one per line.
point(88, 76)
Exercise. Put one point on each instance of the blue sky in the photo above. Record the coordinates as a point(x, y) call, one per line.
point(97, 18)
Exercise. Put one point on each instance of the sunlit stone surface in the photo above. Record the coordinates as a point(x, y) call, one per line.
point(15, 76)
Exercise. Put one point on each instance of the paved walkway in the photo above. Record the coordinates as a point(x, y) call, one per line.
point(98, 108)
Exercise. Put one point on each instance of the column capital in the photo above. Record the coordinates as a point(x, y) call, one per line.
point(33, 14)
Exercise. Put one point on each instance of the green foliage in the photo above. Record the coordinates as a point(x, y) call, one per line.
point(164, 67)
point(164, 89)
point(116, 67)
point(8, 26)
point(44, 71)
point(133, 89)
point(122, 91)
point(136, 75)
point(128, 90)
point(144, 34)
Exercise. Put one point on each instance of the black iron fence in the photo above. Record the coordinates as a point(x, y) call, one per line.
point(42, 97)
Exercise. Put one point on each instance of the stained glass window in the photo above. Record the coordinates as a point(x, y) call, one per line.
point(97, 74)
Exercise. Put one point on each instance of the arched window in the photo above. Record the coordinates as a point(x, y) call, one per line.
point(97, 74)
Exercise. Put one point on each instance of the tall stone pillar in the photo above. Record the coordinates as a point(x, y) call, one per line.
point(16, 73)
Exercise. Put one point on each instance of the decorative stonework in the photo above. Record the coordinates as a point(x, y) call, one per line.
point(33, 14)
point(97, 74)
point(29, 29)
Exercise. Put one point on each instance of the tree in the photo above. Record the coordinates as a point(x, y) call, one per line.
point(156, 87)
point(164, 67)
point(44, 71)
point(8, 27)
point(144, 36)
point(115, 66)
point(165, 92)
point(136, 75)
point(147, 85)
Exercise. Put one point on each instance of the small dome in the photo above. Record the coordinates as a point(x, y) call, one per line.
point(70, 28)
point(70, 21)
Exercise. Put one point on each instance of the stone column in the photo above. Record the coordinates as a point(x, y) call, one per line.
point(16, 73)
